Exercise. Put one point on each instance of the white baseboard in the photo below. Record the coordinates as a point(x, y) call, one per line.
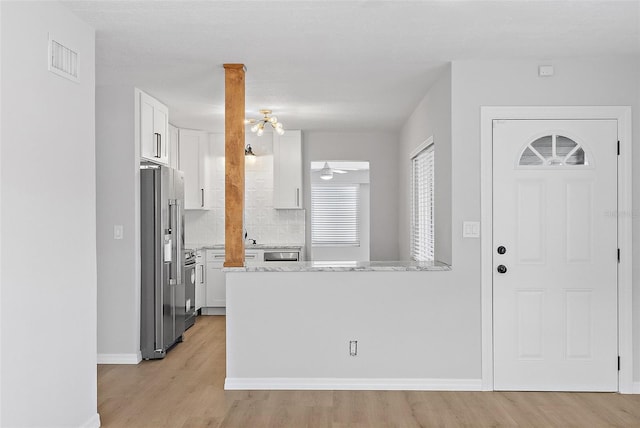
point(93, 422)
point(636, 387)
point(119, 358)
point(354, 384)
point(213, 311)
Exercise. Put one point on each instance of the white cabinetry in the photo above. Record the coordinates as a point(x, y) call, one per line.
point(196, 162)
point(200, 280)
point(216, 291)
point(287, 170)
point(153, 128)
point(253, 257)
point(216, 294)
point(174, 147)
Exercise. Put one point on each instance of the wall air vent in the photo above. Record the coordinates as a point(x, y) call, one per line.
point(63, 61)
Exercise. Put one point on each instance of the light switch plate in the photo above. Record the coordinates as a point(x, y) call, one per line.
point(471, 229)
point(118, 231)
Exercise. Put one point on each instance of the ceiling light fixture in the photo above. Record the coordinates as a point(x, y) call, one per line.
point(257, 125)
point(248, 151)
point(326, 173)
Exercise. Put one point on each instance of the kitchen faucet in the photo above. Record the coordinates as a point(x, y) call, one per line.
point(247, 240)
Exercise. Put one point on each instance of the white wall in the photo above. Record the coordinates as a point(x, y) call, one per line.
point(605, 81)
point(636, 234)
point(1, 137)
point(118, 187)
point(380, 150)
point(431, 118)
point(48, 212)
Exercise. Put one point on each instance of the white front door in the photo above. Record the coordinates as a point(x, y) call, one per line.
point(555, 255)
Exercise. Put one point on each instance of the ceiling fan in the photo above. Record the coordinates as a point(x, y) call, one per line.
point(326, 172)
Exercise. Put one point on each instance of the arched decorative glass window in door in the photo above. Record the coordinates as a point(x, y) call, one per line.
point(553, 151)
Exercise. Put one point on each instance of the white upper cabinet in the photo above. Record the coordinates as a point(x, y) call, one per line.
point(153, 128)
point(197, 164)
point(287, 170)
point(174, 147)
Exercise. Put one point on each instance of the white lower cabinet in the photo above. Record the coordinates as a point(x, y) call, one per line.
point(215, 282)
point(201, 291)
point(253, 257)
point(216, 295)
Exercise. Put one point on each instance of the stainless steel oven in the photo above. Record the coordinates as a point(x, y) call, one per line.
point(281, 256)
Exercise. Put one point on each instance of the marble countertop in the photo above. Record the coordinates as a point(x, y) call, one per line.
point(342, 266)
point(251, 247)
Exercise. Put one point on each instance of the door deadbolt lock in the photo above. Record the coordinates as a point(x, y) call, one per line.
point(502, 269)
point(501, 249)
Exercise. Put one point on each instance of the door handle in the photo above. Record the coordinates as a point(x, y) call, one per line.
point(202, 198)
point(502, 269)
point(298, 197)
point(501, 249)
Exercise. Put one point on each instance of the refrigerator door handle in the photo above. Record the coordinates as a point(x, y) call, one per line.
point(173, 211)
point(179, 240)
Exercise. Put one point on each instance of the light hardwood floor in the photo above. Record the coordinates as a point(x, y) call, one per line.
point(186, 390)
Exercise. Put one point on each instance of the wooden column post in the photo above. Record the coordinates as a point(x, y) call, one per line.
point(234, 165)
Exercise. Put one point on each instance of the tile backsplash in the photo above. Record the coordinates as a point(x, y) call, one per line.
point(263, 223)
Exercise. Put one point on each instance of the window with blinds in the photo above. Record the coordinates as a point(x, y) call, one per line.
point(335, 214)
point(422, 231)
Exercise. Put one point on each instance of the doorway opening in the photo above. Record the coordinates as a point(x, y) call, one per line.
point(340, 211)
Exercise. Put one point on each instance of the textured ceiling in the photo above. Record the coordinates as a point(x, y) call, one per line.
point(344, 65)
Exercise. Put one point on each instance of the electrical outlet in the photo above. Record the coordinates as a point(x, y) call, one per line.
point(545, 70)
point(353, 348)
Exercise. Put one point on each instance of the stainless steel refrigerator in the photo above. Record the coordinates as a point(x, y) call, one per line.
point(162, 320)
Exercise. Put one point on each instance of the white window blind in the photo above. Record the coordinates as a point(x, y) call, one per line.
point(335, 214)
point(422, 232)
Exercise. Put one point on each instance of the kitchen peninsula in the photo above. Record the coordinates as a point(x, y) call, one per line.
point(343, 266)
point(327, 325)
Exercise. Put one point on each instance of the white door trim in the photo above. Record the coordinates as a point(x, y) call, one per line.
point(625, 304)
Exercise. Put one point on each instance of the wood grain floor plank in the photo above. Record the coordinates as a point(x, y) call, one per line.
point(185, 390)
